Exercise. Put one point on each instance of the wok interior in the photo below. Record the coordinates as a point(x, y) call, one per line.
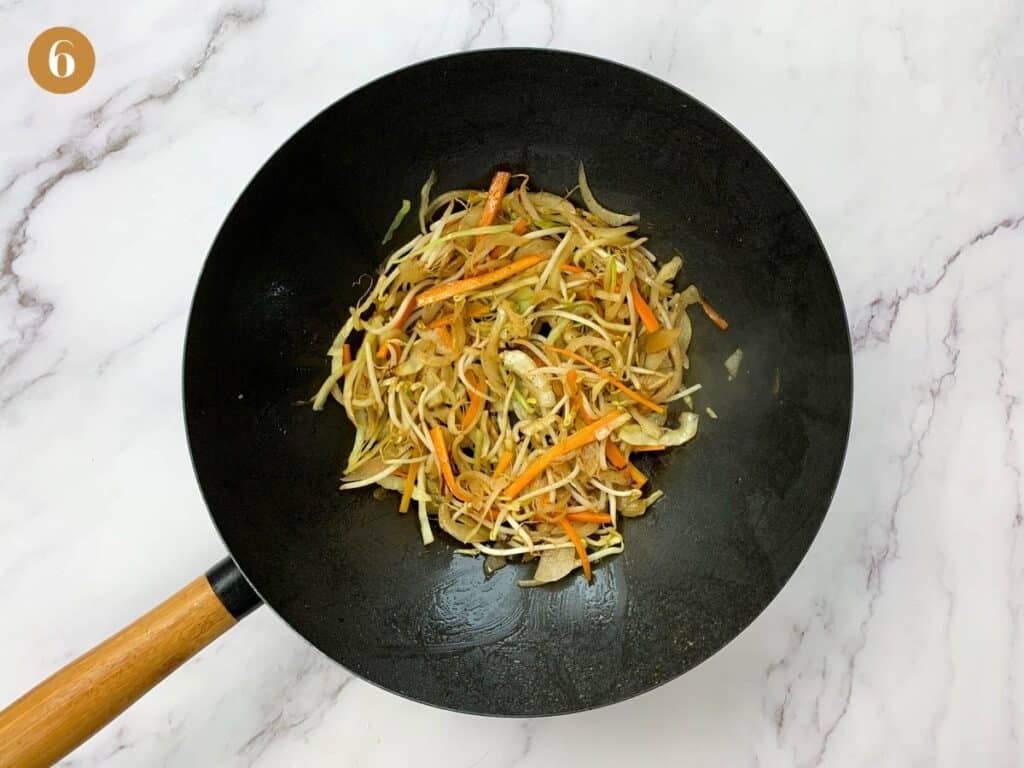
point(743, 500)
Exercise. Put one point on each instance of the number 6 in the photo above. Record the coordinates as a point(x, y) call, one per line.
point(55, 59)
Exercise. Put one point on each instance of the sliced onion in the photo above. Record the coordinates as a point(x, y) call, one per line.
point(732, 363)
point(635, 434)
point(636, 507)
point(615, 219)
point(397, 484)
point(685, 332)
point(661, 339)
point(552, 202)
point(669, 270)
point(465, 532)
point(372, 467)
point(493, 563)
point(554, 564)
point(388, 469)
point(686, 431)
point(690, 296)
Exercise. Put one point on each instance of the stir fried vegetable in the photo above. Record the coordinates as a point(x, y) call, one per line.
point(732, 363)
point(397, 221)
point(507, 369)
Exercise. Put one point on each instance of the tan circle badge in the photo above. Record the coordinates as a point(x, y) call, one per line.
point(61, 60)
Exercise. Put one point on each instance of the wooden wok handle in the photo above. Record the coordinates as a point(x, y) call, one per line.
point(74, 703)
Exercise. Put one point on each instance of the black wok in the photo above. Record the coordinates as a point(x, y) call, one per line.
point(743, 502)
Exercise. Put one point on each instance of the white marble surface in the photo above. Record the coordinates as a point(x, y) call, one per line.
point(900, 126)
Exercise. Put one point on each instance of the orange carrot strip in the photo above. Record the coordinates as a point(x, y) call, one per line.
point(410, 480)
point(642, 448)
point(639, 478)
point(589, 517)
point(444, 465)
point(346, 354)
point(615, 457)
point(494, 196)
point(442, 320)
point(713, 316)
point(571, 379)
point(383, 351)
point(577, 440)
point(446, 337)
point(520, 227)
point(577, 542)
point(643, 309)
point(499, 183)
point(572, 269)
point(630, 393)
point(504, 462)
point(475, 401)
point(448, 290)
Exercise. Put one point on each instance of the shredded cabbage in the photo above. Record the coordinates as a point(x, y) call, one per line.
point(397, 221)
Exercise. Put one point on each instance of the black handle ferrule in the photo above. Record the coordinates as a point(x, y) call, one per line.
point(231, 587)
